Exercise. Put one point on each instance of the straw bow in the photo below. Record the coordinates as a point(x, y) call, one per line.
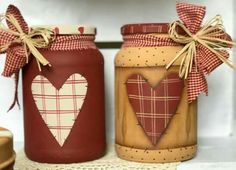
point(18, 41)
point(204, 46)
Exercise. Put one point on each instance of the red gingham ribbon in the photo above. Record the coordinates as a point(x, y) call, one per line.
point(16, 54)
point(205, 61)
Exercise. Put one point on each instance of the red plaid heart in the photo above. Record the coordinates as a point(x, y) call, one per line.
point(59, 108)
point(154, 107)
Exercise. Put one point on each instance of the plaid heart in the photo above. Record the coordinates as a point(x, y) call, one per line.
point(154, 107)
point(59, 108)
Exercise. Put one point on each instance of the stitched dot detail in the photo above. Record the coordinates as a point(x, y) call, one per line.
point(145, 57)
point(147, 157)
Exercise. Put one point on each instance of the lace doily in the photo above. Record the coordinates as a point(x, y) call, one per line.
point(110, 161)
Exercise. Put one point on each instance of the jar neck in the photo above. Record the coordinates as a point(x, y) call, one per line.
point(73, 42)
point(148, 40)
point(148, 35)
point(84, 37)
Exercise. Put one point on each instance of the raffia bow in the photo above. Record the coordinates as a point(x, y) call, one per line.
point(204, 50)
point(19, 41)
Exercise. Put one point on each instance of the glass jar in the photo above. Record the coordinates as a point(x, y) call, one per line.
point(64, 113)
point(154, 121)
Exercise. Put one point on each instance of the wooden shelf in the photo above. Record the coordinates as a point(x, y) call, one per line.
point(109, 44)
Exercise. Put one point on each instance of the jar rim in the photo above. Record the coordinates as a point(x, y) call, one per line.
point(144, 28)
point(70, 29)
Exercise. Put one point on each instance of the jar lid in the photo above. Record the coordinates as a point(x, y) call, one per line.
point(5, 133)
point(145, 28)
point(70, 29)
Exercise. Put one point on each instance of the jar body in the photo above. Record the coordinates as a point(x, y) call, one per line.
point(84, 139)
point(178, 140)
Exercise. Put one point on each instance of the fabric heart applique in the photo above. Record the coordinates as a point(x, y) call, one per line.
point(59, 108)
point(154, 107)
point(81, 30)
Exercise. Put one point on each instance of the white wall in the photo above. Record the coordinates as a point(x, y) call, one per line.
point(234, 59)
point(215, 111)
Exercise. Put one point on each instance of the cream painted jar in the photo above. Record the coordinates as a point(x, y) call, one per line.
point(154, 121)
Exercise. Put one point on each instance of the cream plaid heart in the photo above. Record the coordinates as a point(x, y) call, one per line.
point(59, 108)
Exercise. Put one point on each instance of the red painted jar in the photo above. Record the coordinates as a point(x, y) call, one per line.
point(64, 115)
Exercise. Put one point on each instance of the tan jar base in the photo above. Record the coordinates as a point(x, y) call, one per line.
point(156, 156)
point(8, 165)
